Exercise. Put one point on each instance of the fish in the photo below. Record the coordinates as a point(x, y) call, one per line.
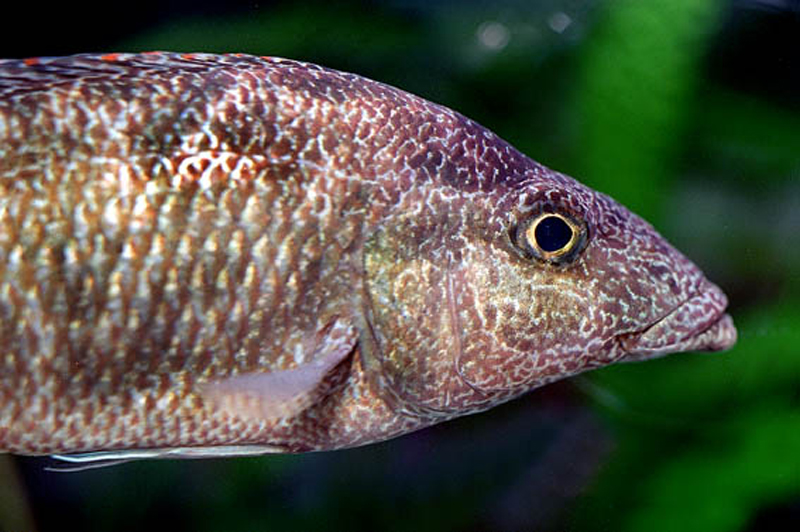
point(219, 255)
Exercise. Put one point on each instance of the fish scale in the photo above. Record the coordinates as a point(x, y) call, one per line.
point(209, 255)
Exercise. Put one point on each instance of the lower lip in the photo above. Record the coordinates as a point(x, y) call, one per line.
point(720, 335)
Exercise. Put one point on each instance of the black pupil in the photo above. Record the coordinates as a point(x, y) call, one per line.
point(553, 233)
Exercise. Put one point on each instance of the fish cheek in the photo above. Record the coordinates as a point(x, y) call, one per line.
point(522, 325)
point(412, 322)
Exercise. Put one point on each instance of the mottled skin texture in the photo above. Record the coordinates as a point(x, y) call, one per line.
point(168, 222)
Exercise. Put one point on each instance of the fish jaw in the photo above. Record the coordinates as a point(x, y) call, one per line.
point(700, 323)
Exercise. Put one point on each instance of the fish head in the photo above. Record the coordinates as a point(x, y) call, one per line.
point(571, 280)
point(526, 283)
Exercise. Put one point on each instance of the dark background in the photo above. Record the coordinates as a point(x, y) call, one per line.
point(687, 111)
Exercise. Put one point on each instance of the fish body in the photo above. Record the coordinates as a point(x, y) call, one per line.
point(215, 255)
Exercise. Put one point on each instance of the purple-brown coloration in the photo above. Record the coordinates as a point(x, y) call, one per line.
point(203, 252)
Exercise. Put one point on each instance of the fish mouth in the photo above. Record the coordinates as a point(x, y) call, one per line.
point(700, 323)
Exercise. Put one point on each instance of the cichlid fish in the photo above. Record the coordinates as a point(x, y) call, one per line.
point(208, 255)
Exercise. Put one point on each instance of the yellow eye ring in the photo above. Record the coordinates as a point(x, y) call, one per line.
point(552, 237)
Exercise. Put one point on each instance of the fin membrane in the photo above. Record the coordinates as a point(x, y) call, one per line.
point(94, 460)
point(285, 393)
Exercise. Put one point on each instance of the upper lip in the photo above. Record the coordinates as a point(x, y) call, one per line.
point(699, 323)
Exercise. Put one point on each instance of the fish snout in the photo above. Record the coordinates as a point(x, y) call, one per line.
point(699, 323)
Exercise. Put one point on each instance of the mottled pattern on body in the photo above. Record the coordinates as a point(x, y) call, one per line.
point(173, 228)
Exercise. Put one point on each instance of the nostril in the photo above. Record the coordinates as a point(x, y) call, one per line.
point(674, 286)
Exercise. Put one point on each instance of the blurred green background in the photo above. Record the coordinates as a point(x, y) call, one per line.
point(687, 111)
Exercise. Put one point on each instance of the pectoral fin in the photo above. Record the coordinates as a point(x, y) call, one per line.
point(284, 393)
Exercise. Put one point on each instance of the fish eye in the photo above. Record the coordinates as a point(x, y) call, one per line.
point(552, 237)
